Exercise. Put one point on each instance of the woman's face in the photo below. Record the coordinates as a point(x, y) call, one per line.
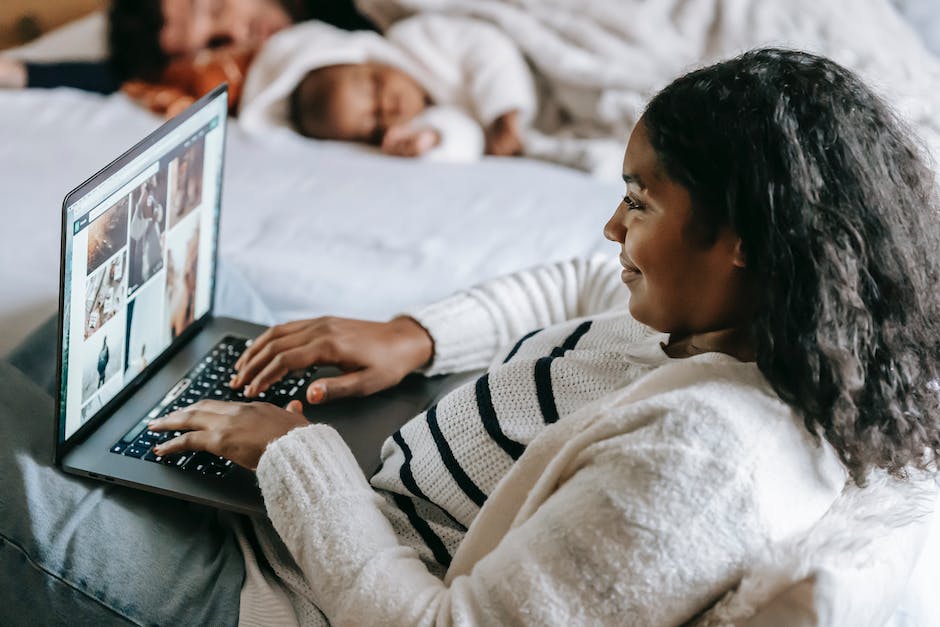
point(193, 25)
point(677, 284)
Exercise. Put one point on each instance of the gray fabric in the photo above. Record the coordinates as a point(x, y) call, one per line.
point(36, 357)
point(80, 552)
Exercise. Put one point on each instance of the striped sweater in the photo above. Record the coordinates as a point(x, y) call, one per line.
point(578, 343)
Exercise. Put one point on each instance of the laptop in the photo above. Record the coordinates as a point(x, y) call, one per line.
point(138, 337)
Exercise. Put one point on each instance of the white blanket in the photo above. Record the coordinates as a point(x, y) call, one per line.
point(603, 59)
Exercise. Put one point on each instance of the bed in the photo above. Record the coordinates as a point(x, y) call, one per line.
point(310, 228)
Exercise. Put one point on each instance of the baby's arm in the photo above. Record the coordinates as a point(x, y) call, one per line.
point(438, 134)
point(487, 66)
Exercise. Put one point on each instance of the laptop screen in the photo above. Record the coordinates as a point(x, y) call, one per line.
point(139, 261)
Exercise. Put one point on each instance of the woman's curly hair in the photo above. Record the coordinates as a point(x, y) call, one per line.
point(837, 210)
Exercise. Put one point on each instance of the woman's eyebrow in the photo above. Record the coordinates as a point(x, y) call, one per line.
point(633, 178)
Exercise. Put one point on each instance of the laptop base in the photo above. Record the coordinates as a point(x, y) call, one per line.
point(364, 423)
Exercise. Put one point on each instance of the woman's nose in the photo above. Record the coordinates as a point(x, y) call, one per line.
point(616, 230)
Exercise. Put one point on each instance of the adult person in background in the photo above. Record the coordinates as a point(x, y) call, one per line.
point(145, 35)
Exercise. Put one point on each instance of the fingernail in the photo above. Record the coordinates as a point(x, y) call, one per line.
point(315, 393)
point(157, 450)
point(249, 390)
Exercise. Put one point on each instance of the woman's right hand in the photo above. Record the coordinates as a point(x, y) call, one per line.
point(372, 355)
point(12, 73)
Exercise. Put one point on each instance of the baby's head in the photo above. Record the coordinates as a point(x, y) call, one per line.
point(355, 102)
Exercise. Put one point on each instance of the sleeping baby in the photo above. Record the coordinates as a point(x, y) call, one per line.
point(435, 87)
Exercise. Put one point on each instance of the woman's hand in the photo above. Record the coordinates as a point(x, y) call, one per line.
point(373, 355)
point(12, 73)
point(504, 136)
point(238, 431)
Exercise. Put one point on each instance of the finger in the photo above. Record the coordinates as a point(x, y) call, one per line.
point(295, 407)
point(224, 408)
point(189, 441)
point(197, 416)
point(358, 383)
point(266, 356)
point(175, 421)
point(392, 137)
point(271, 333)
point(281, 364)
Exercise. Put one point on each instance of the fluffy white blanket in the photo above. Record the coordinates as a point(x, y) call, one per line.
point(603, 59)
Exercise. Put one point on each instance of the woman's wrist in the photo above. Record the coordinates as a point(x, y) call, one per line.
point(420, 343)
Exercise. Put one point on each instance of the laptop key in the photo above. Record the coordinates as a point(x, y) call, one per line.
point(135, 451)
point(177, 459)
point(153, 457)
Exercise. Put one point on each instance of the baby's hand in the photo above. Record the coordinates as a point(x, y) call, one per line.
point(504, 137)
point(402, 140)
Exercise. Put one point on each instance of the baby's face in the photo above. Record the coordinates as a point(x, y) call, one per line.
point(367, 98)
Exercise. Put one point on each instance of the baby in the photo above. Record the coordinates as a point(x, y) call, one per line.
point(381, 105)
point(435, 86)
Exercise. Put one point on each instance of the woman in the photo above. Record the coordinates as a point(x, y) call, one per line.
point(613, 466)
point(144, 35)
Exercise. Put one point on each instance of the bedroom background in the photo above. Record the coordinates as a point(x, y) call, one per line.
point(310, 228)
point(23, 20)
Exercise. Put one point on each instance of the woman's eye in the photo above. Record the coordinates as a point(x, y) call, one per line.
point(632, 204)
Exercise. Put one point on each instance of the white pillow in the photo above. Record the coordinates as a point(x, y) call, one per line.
point(85, 39)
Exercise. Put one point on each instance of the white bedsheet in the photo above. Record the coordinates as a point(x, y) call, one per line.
point(314, 228)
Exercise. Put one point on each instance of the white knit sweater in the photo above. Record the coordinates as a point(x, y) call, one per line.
point(645, 486)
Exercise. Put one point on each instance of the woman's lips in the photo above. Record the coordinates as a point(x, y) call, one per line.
point(630, 272)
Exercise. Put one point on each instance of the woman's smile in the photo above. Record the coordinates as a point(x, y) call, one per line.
point(630, 272)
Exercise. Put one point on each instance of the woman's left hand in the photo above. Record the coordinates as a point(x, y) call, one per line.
point(238, 431)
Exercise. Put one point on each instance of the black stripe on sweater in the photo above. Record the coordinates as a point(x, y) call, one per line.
point(543, 374)
point(575, 337)
point(407, 478)
point(424, 530)
point(404, 473)
point(518, 345)
point(465, 483)
point(491, 422)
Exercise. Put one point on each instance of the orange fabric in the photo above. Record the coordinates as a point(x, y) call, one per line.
point(187, 79)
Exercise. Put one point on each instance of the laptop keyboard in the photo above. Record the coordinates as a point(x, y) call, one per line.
point(207, 380)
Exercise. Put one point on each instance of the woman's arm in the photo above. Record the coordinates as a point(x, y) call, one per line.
point(470, 327)
point(93, 76)
point(641, 529)
point(460, 333)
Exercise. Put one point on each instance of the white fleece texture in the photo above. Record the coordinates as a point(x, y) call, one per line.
point(641, 508)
